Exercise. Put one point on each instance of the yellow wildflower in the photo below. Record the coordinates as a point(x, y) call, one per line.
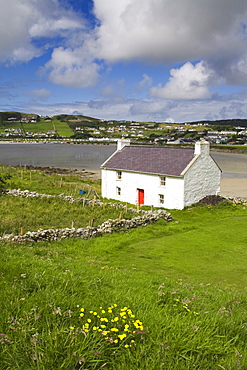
point(122, 336)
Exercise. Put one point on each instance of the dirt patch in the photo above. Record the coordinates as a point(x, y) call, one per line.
point(212, 200)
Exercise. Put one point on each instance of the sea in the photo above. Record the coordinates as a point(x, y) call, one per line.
point(73, 156)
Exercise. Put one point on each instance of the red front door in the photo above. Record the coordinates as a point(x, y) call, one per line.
point(140, 196)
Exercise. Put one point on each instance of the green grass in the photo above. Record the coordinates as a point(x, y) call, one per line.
point(33, 214)
point(185, 282)
point(53, 184)
point(242, 149)
point(61, 128)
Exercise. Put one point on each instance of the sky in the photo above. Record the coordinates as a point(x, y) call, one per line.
point(135, 60)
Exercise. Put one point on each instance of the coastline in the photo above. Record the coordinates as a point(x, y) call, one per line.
point(85, 160)
point(92, 173)
point(230, 186)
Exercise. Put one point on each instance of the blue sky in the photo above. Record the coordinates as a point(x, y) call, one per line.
point(140, 60)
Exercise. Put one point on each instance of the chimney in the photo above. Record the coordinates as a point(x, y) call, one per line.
point(202, 148)
point(122, 143)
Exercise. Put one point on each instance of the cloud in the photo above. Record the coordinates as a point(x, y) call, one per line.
point(24, 23)
point(142, 110)
point(145, 82)
point(188, 82)
point(169, 120)
point(42, 94)
point(147, 31)
point(149, 109)
point(159, 31)
point(71, 68)
point(166, 31)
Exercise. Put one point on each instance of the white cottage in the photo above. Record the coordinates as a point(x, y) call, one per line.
point(169, 177)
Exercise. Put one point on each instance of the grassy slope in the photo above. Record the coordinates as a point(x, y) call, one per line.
point(184, 280)
point(61, 128)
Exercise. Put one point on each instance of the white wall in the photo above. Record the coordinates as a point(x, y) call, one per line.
point(201, 179)
point(130, 182)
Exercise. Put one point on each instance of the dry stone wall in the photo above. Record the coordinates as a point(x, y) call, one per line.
point(65, 198)
point(238, 200)
point(110, 226)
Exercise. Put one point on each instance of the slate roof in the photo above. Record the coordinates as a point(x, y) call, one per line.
point(168, 161)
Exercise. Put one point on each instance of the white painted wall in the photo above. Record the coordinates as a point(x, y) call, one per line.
point(201, 179)
point(131, 182)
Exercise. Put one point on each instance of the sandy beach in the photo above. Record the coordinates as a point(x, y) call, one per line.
point(234, 173)
point(234, 187)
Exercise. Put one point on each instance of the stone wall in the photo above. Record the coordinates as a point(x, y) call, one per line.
point(65, 198)
point(144, 218)
point(238, 200)
point(107, 227)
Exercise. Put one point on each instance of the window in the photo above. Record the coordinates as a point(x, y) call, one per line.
point(162, 180)
point(161, 198)
point(119, 175)
point(118, 191)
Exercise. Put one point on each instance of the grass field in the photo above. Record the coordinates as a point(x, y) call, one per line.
point(167, 296)
point(61, 128)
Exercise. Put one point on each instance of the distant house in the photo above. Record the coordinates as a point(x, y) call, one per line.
point(169, 177)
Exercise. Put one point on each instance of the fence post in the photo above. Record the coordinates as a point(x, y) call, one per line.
point(93, 202)
point(91, 222)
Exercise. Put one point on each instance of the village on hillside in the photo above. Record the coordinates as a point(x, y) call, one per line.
point(78, 128)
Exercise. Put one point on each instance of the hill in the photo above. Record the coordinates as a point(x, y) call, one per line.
point(224, 122)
